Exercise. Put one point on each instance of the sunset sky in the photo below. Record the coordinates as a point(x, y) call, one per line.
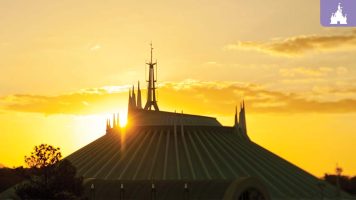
point(67, 65)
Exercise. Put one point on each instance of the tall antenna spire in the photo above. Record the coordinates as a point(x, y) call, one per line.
point(151, 88)
point(151, 51)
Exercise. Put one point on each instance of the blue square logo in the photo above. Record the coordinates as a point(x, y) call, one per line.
point(335, 13)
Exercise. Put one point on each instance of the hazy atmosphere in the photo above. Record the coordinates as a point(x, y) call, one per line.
point(66, 66)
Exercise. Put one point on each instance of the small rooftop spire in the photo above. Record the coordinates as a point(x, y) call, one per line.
point(107, 124)
point(139, 101)
point(242, 118)
point(113, 120)
point(133, 97)
point(236, 119)
point(130, 100)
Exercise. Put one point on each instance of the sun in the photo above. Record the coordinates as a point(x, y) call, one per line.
point(123, 119)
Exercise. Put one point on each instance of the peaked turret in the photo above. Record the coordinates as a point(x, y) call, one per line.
point(130, 100)
point(114, 121)
point(108, 126)
point(117, 120)
point(112, 126)
point(151, 88)
point(236, 122)
point(242, 117)
point(139, 103)
point(133, 97)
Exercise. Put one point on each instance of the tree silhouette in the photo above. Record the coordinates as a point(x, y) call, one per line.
point(50, 178)
point(346, 183)
point(44, 155)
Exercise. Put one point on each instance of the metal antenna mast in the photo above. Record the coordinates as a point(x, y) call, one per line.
point(151, 88)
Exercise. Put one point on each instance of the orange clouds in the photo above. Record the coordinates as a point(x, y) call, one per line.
point(299, 45)
point(220, 98)
point(191, 96)
point(86, 102)
point(312, 72)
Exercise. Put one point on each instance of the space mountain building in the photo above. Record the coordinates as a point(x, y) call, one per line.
point(169, 155)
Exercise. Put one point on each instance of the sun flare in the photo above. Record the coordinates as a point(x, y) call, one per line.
point(123, 119)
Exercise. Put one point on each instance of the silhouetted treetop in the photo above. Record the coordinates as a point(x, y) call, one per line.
point(44, 155)
point(50, 177)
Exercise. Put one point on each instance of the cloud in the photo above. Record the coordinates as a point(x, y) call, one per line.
point(341, 70)
point(95, 47)
point(299, 45)
point(217, 98)
point(311, 74)
point(307, 72)
point(86, 101)
point(222, 96)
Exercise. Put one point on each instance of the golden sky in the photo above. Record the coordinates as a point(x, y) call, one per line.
point(67, 65)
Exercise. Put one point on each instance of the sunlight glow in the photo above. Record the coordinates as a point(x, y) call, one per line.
point(123, 118)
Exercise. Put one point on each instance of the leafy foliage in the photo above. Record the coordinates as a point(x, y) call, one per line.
point(49, 177)
point(43, 155)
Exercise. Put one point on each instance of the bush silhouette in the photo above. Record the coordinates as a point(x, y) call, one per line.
point(346, 183)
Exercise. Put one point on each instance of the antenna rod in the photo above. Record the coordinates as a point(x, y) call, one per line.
point(151, 88)
point(151, 51)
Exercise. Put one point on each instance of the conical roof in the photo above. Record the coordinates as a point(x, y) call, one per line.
point(193, 152)
point(170, 149)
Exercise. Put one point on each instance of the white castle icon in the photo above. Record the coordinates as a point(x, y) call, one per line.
point(338, 17)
